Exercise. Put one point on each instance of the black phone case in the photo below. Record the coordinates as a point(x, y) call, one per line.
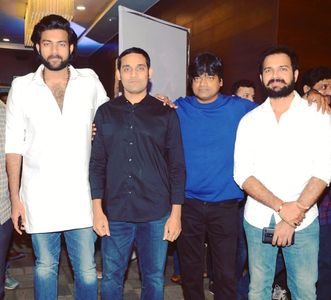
point(268, 233)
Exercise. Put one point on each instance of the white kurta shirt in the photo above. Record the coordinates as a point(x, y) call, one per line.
point(55, 147)
point(282, 155)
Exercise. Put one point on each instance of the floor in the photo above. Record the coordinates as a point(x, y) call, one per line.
point(22, 270)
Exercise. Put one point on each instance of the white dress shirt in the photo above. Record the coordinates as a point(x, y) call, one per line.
point(55, 147)
point(282, 155)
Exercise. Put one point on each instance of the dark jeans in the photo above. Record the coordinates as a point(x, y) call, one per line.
point(324, 264)
point(220, 222)
point(152, 252)
point(6, 230)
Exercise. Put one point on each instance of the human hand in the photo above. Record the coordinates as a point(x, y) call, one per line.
point(283, 234)
point(18, 215)
point(292, 213)
point(100, 223)
point(172, 228)
point(313, 96)
point(165, 100)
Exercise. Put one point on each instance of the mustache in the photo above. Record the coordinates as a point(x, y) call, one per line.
point(54, 56)
point(276, 80)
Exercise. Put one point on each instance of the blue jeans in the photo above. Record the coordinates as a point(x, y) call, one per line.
point(152, 252)
point(324, 264)
point(300, 261)
point(6, 230)
point(47, 249)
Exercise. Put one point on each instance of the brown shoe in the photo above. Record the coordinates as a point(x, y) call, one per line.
point(176, 279)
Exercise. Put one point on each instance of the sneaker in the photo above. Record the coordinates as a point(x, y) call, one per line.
point(211, 287)
point(279, 293)
point(10, 282)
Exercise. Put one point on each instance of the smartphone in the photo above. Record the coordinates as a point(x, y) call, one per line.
point(268, 234)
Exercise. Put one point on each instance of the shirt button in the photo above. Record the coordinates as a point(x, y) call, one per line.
point(130, 143)
point(130, 176)
point(131, 126)
point(129, 192)
point(130, 159)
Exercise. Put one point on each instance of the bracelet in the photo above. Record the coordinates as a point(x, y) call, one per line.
point(279, 208)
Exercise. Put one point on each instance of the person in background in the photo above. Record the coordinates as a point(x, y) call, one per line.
point(319, 79)
point(244, 88)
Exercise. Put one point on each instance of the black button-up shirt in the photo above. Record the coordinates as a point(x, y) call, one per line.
point(137, 164)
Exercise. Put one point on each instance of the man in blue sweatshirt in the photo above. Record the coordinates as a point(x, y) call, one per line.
point(209, 123)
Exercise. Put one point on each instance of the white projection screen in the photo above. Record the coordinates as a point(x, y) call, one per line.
point(166, 44)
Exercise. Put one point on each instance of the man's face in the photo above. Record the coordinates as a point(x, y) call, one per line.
point(134, 73)
point(54, 49)
point(324, 87)
point(246, 93)
point(277, 75)
point(206, 87)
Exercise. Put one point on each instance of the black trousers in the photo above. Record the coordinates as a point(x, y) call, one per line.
point(220, 222)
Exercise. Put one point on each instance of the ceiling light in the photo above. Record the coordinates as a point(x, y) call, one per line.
point(80, 7)
point(37, 9)
point(6, 40)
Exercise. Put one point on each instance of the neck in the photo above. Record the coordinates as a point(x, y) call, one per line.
point(281, 105)
point(207, 101)
point(50, 75)
point(135, 98)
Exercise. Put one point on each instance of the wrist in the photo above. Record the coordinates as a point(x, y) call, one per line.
point(301, 206)
point(279, 207)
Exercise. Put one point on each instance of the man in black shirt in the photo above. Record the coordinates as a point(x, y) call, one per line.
point(137, 177)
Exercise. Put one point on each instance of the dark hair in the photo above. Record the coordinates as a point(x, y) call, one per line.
point(133, 50)
point(314, 75)
point(242, 83)
point(53, 22)
point(205, 63)
point(279, 50)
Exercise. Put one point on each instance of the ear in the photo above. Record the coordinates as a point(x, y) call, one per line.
point(118, 74)
point(221, 82)
point(261, 77)
point(306, 88)
point(296, 74)
point(150, 73)
point(38, 48)
point(71, 48)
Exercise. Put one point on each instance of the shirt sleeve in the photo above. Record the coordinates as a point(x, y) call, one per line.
point(98, 161)
point(243, 153)
point(322, 145)
point(175, 159)
point(15, 121)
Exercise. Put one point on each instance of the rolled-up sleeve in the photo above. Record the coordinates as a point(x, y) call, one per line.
point(322, 144)
point(243, 154)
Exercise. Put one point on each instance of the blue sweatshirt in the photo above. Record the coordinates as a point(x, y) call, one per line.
point(209, 133)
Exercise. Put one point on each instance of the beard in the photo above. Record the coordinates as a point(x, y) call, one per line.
point(283, 92)
point(61, 66)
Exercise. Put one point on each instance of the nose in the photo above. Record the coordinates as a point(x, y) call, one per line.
point(54, 48)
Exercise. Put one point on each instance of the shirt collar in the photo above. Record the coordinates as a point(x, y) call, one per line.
point(38, 75)
point(296, 100)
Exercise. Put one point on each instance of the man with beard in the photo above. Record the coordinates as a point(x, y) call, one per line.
point(49, 120)
point(284, 166)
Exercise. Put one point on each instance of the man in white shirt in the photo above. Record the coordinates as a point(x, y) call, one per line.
point(49, 119)
point(284, 166)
